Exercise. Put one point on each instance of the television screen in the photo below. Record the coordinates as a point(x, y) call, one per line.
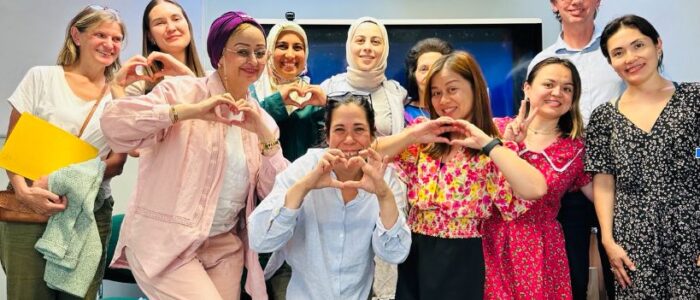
point(502, 48)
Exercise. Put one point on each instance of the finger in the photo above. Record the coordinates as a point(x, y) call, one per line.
point(531, 116)
point(521, 111)
point(356, 161)
point(626, 281)
point(352, 184)
point(336, 184)
point(48, 195)
point(628, 263)
point(336, 152)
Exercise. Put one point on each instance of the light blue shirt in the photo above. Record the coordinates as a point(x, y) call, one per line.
point(599, 82)
point(330, 245)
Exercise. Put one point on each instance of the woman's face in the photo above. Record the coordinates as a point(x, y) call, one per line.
point(244, 57)
point(451, 95)
point(289, 57)
point(349, 129)
point(367, 46)
point(100, 43)
point(168, 28)
point(633, 55)
point(552, 90)
point(423, 64)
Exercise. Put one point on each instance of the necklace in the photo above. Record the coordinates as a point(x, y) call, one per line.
point(544, 132)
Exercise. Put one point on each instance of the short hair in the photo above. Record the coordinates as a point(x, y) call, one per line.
point(423, 46)
point(87, 18)
point(364, 104)
point(570, 124)
point(629, 21)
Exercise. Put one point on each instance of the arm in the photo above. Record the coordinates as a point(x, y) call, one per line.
point(392, 244)
point(604, 191)
point(272, 223)
point(114, 164)
point(37, 196)
point(526, 181)
point(424, 132)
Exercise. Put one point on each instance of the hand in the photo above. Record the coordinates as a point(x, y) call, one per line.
point(516, 130)
point(127, 73)
point(316, 96)
point(135, 153)
point(618, 261)
point(432, 131)
point(320, 176)
point(474, 137)
point(40, 200)
point(208, 109)
point(252, 120)
point(170, 66)
point(373, 166)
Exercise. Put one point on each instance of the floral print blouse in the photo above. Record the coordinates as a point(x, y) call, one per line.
point(450, 199)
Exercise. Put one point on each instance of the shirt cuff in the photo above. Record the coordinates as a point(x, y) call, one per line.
point(284, 216)
point(394, 231)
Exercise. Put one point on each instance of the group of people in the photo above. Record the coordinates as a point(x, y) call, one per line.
point(359, 187)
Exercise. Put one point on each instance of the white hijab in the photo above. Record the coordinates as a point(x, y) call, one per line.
point(370, 80)
point(267, 84)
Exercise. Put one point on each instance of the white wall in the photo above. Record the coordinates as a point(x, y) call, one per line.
point(32, 31)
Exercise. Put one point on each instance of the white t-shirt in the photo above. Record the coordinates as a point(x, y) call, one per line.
point(234, 185)
point(45, 93)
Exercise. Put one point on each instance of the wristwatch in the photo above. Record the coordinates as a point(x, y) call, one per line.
point(492, 144)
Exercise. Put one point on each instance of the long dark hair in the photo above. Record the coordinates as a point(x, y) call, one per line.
point(465, 65)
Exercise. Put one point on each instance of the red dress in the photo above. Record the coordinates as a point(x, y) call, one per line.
point(525, 258)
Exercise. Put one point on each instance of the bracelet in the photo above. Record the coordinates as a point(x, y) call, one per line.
point(173, 114)
point(492, 144)
point(267, 146)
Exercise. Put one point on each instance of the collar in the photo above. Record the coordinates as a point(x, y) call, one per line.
point(560, 45)
point(558, 154)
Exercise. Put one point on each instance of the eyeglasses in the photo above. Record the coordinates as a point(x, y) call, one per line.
point(345, 96)
point(246, 53)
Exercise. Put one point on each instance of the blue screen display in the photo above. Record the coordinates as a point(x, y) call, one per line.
point(502, 50)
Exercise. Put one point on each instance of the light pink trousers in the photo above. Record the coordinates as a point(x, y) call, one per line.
point(214, 273)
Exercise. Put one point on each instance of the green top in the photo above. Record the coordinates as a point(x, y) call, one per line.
point(300, 130)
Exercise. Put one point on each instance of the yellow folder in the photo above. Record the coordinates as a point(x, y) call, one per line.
point(36, 148)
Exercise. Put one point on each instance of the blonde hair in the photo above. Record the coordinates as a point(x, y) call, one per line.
point(87, 18)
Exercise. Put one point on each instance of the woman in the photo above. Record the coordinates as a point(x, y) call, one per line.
point(418, 62)
point(168, 46)
point(366, 52)
point(183, 237)
point(333, 209)
point(640, 150)
point(72, 96)
point(300, 123)
point(456, 171)
point(526, 257)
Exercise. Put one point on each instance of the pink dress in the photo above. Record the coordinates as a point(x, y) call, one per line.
point(525, 258)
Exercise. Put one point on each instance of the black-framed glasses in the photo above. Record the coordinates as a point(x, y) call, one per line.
point(246, 53)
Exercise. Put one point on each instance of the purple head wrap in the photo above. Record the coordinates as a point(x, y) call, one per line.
point(220, 31)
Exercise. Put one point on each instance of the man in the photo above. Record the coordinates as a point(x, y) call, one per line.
point(579, 41)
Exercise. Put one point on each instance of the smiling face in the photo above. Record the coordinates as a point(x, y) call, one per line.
point(239, 61)
point(451, 95)
point(576, 11)
point(633, 55)
point(168, 28)
point(289, 57)
point(367, 46)
point(552, 90)
point(100, 43)
point(349, 129)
